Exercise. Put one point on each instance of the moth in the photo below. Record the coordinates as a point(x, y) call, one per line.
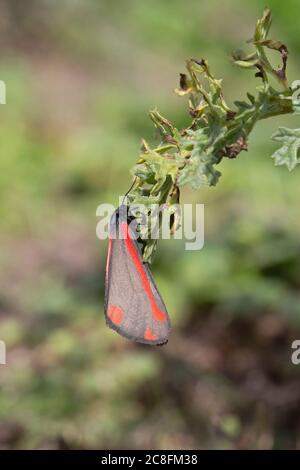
point(133, 305)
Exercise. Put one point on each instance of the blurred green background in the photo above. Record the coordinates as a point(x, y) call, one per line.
point(81, 76)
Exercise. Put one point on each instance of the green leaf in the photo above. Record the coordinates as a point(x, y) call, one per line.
point(149, 250)
point(246, 64)
point(263, 26)
point(295, 87)
point(163, 125)
point(156, 167)
point(245, 61)
point(288, 153)
point(296, 108)
point(199, 171)
point(146, 200)
point(251, 98)
point(276, 45)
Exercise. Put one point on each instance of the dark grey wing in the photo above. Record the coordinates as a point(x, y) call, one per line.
point(133, 305)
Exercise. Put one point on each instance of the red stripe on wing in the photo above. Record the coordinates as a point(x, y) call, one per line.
point(158, 314)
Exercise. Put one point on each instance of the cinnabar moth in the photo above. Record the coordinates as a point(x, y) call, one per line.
point(133, 305)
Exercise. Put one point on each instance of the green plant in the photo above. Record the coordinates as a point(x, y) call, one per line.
point(191, 155)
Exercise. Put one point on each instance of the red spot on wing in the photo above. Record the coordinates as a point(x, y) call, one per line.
point(115, 314)
point(158, 314)
point(149, 335)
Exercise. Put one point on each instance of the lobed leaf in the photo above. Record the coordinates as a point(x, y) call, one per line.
point(288, 153)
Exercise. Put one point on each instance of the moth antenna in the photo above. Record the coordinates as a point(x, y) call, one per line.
point(133, 183)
